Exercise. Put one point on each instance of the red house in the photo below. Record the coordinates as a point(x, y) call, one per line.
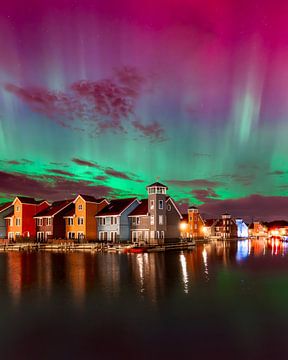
point(20, 221)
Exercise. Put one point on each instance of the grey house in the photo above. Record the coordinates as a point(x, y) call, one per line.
point(5, 209)
point(112, 221)
point(157, 219)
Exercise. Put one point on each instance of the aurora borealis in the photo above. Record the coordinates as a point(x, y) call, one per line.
point(103, 97)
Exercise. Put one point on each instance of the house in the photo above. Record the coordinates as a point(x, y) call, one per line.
point(157, 219)
point(195, 223)
point(184, 233)
point(50, 223)
point(257, 229)
point(242, 228)
point(113, 222)
point(5, 209)
point(207, 230)
point(20, 220)
point(80, 222)
point(225, 227)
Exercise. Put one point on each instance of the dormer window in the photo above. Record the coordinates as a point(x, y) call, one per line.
point(17, 208)
point(80, 207)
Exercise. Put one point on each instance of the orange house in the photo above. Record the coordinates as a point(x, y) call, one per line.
point(195, 223)
point(20, 221)
point(81, 222)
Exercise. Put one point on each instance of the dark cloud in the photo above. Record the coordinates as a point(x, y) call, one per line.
point(254, 206)
point(48, 186)
point(195, 183)
point(204, 195)
point(13, 162)
point(85, 163)
point(117, 174)
point(101, 178)
point(276, 172)
point(16, 162)
point(102, 105)
point(153, 131)
point(60, 172)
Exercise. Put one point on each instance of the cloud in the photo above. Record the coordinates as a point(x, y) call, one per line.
point(85, 163)
point(195, 183)
point(117, 174)
point(276, 172)
point(48, 186)
point(204, 195)
point(153, 131)
point(16, 162)
point(60, 172)
point(259, 207)
point(101, 178)
point(92, 106)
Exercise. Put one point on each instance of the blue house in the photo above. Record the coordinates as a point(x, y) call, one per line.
point(113, 222)
point(5, 209)
point(242, 228)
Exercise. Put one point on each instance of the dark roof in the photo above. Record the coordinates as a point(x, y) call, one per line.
point(193, 207)
point(115, 207)
point(11, 213)
point(28, 200)
point(158, 184)
point(209, 222)
point(91, 198)
point(70, 212)
point(141, 209)
point(5, 206)
point(184, 217)
point(54, 208)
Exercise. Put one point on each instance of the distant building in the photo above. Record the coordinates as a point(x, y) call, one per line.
point(207, 230)
point(225, 227)
point(258, 229)
point(195, 223)
point(242, 229)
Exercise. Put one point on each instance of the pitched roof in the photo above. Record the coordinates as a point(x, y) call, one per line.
point(28, 200)
point(193, 208)
point(54, 208)
point(90, 198)
point(158, 184)
point(209, 222)
point(5, 206)
point(70, 212)
point(116, 207)
point(10, 214)
point(141, 209)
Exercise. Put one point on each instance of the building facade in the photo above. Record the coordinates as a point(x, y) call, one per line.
point(224, 228)
point(20, 221)
point(5, 210)
point(195, 223)
point(113, 222)
point(80, 221)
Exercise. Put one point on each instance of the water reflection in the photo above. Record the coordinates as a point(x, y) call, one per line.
point(152, 276)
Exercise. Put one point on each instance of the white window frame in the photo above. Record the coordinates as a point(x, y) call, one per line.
point(162, 220)
point(161, 204)
point(80, 220)
point(152, 220)
point(18, 222)
point(80, 207)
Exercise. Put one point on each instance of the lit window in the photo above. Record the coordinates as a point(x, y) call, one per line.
point(70, 221)
point(18, 221)
point(152, 220)
point(160, 219)
point(151, 204)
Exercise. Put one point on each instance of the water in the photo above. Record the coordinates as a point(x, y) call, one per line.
point(220, 300)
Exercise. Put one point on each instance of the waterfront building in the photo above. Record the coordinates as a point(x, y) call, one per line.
point(157, 219)
point(258, 229)
point(20, 220)
point(195, 223)
point(80, 222)
point(242, 228)
point(184, 233)
point(5, 210)
point(113, 222)
point(50, 223)
point(225, 227)
point(207, 230)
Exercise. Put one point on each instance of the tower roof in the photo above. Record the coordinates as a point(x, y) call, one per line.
point(157, 184)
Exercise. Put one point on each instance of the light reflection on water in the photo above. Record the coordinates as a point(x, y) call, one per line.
point(229, 286)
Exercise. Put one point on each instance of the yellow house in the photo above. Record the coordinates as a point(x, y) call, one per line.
point(80, 222)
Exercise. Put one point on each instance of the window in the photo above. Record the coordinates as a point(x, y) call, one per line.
point(152, 220)
point(161, 204)
point(70, 221)
point(18, 221)
point(169, 207)
point(151, 204)
point(101, 221)
point(195, 226)
point(71, 235)
point(137, 220)
point(152, 234)
point(39, 222)
point(10, 222)
point(111, 220)
point(49, 221)
point(80, 207)
point(17, 208)
point(160, 219)
point(162, 235)
point(80, 220)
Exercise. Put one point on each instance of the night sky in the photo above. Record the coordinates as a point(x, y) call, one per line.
point(104, 97)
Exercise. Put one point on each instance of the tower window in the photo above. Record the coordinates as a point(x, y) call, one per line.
point(151, 204)
point(152, 220)
point(161, 204)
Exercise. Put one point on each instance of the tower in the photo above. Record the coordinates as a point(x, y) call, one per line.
point(157, 211)
point(193, 221)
